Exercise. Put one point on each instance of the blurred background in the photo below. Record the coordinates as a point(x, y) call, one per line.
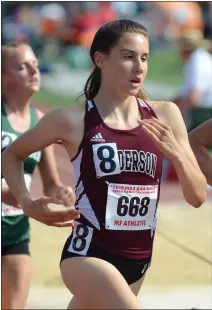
point(60, 34)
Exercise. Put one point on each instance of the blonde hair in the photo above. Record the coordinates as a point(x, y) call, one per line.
point(105, 38)
point(7, 50)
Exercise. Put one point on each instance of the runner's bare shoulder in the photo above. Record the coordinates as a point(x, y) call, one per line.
point(69, 116)
point(164, 109)
point(71, 119)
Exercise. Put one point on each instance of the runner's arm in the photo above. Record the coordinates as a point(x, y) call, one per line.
point(52, 127)
point(201, 139)
point(192, 180)
point(48, 167)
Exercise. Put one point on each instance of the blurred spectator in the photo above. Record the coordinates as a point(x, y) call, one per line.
point(180, 16)
point(79, 34)
point(22, 26)
point(52, 18)
point(82, 28)
point(195, 98)
point(206, 7)
point(143, 6)
point(107, 12)
point(126, 9)
point(196, 95)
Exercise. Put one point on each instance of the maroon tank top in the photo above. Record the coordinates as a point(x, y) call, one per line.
point(118, 175)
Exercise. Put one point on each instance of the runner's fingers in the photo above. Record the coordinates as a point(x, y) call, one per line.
point(161, 132)
point(162, 127)
point(152, 128)
point(67, 195)
point(55, 200)
point(58, 221)
point(18, 206)
point(157, 121)
point(64, 224)
point(68, 217)
point(151, 134)
point(69, 214)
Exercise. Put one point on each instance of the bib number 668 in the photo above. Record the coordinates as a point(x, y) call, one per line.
point(133, 206)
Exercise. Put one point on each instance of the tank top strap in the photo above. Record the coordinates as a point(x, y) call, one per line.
point(92, 117)
point(143, 105)
point(4, 120)
point(33, 116)
point(3, 112)
point(89, 106)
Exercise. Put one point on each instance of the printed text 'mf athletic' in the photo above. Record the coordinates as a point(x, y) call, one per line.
point(138, 161)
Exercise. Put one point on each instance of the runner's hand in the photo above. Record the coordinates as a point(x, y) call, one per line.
point(40, 211)
point(163, 137)
point(64, 193)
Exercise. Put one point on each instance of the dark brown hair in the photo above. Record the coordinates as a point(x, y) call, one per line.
point(105, 38)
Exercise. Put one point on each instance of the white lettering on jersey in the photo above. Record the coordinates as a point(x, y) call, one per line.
point(108, 160)
point(138, 161)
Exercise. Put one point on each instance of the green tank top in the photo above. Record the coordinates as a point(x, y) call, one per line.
point(15, 225)
point(198, 116)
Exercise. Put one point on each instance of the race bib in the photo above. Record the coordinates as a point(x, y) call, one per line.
point(7, 138)
point(131, 207)
point(82, 236)
point(8, 210)
point(106, 160)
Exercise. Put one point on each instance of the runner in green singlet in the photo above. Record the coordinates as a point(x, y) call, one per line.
point(20, 80)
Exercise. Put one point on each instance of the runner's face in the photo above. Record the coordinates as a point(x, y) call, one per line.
point(125, 68)
point(21, 73)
